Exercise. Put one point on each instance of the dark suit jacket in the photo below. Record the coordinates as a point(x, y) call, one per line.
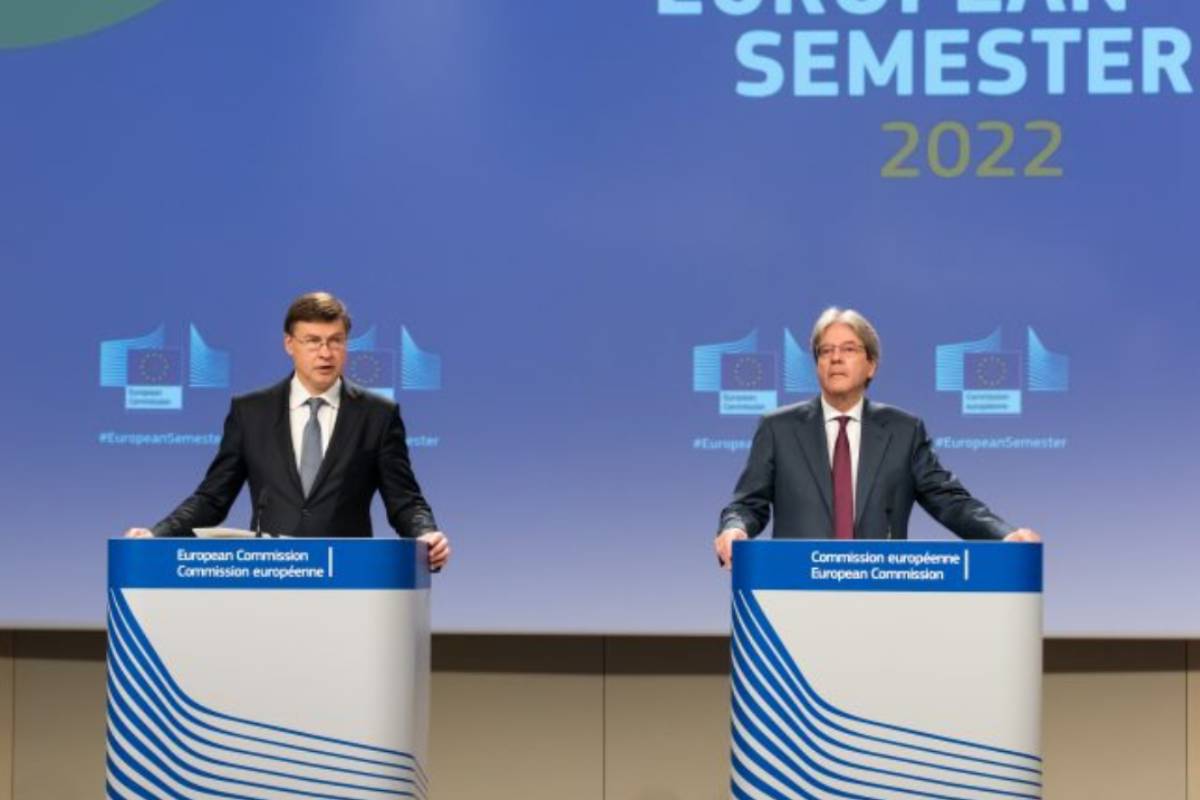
point(367, 452)
point(789, 469)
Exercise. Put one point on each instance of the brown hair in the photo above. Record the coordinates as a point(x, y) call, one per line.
point(316, 307)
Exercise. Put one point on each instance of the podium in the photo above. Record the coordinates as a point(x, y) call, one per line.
point(267, 668)
point(886, 669)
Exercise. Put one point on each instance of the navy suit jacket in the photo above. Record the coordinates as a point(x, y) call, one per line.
point(368, 452)
point(788, 470)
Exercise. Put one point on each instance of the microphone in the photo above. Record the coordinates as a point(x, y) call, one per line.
point(259, 508)
point(888, 512)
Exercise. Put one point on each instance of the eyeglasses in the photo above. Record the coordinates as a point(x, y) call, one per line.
point(313, 344)
point(845, 350)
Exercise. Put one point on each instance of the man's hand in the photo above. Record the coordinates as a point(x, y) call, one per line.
point(1023, 535)
point(139, 533)
point(724, 545)
point(439, 549)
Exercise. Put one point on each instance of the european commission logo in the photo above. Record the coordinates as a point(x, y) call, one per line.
point(745, 379)
point(384, 370)
point(992, 379)
point(153, 375)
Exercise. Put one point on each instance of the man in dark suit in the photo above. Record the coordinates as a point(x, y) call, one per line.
point(315, 449)
point(840, 466)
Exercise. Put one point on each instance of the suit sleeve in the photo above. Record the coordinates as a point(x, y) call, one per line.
point(407, 510)
point(750, 509)
point(210, 503)
point(946, 499)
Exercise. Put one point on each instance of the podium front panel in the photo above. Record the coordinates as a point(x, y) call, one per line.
point(878, 670)
point(267, 668)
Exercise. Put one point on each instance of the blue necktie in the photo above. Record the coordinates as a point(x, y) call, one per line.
point(310, 447)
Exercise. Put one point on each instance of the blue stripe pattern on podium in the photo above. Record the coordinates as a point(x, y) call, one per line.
point(163, 745)
point(789, 743)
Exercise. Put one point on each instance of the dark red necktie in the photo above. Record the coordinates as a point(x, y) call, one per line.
point(843, 485)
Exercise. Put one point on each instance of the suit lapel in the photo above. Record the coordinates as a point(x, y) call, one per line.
point(871, 449)
point(283, 436)
point(349, 419)
point(811, 433)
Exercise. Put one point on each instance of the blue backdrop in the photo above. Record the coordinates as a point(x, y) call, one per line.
point(570, 239)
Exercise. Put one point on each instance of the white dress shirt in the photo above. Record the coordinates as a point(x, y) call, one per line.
point(853, 433)
point(299, 413)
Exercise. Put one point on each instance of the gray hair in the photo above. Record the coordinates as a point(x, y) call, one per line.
point(857, 323)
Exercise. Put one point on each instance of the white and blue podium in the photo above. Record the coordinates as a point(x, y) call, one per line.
point(267, 668)
point(877, 670)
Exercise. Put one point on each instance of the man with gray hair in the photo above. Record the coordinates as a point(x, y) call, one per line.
point(842, 467)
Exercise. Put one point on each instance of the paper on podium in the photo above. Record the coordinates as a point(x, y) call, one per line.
point(226, 533)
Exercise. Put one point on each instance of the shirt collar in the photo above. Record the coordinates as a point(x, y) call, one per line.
point(299, 395)
point(831, 413)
